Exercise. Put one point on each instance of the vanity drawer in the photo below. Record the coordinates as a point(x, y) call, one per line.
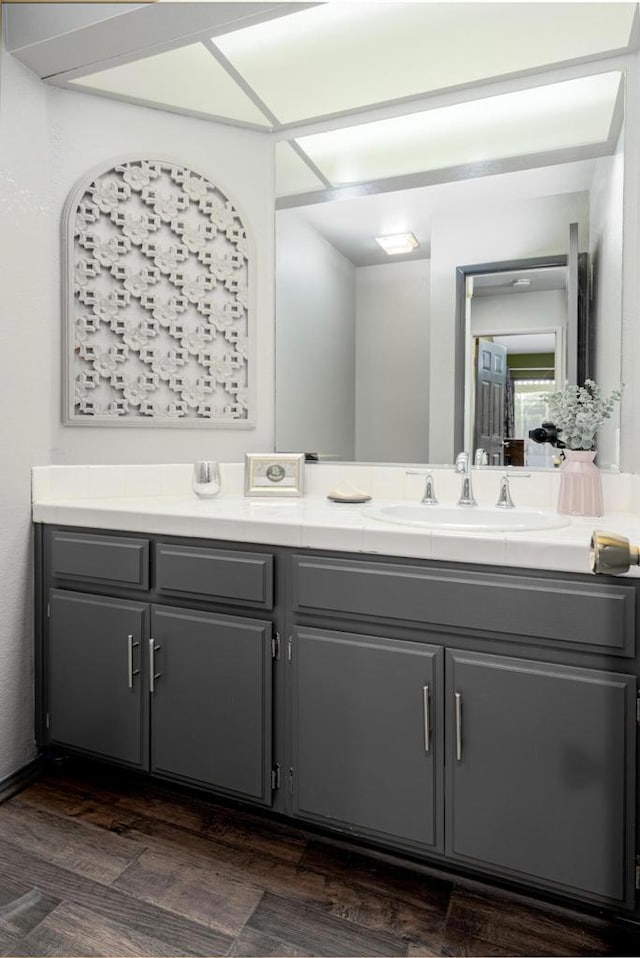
point(594, 616)
point(244, 578)
point(112, 560)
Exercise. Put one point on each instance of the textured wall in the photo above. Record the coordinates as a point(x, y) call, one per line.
point(49, 139)
point(84, 132)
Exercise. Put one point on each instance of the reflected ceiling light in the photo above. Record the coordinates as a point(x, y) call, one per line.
point(397, 243)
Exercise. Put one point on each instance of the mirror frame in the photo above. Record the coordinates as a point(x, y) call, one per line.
point(584, 333)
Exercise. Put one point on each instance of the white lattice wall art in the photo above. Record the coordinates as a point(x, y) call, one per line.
point(157, 294)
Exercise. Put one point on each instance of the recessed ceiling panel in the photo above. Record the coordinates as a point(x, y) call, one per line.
point(293, 175)
point(343, 56)
point(189, 78)
point(549, 118)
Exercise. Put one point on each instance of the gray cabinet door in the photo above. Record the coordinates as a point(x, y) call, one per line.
point(211, 701)
point(541, 773)
point(367, 748)
point(95, 690)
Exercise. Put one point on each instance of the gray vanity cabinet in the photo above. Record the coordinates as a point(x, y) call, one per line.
point(211, 700)
point(96, 699)
point(367, 734)
point(540, 772)
point(539, 755)
point(368, 696)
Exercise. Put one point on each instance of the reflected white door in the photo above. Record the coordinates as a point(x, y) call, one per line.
point(491, 379)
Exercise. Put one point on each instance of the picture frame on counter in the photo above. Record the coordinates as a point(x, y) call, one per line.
point(274, 474)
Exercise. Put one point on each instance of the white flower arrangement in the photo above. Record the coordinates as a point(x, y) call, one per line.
point(579, 411)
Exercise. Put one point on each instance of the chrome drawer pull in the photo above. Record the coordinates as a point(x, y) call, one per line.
point(425, 710)
point(153, 675)
point(131, 645)
point(458, 698)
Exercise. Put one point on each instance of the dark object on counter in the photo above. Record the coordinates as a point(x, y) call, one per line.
point(547, 432)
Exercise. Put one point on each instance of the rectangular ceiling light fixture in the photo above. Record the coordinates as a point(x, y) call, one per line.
point(398, 243)
point(547, 118)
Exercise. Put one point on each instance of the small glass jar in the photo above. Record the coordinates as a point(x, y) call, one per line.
point(206, 479)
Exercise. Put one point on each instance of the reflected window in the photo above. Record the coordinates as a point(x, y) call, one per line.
point(531, 404)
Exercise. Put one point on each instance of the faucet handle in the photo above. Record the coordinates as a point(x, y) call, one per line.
point(504, 496)
point(429, 498)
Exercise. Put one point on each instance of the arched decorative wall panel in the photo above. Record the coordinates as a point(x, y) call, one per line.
point(157, 300)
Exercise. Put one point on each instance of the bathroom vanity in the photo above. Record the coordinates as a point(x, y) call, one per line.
point(480, 718)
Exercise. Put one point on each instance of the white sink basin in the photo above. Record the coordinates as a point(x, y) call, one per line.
point(468, 519)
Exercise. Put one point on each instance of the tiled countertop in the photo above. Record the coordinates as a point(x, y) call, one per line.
point(315, 522)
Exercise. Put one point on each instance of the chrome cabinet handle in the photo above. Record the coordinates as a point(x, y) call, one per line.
point(425, 712)
point(153, 675)
point(131, 645)
point(458, 698)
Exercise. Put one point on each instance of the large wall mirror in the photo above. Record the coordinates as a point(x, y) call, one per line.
point(370, 365)
point(523, 333)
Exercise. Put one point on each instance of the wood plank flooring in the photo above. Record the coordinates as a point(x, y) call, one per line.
point(97, 862)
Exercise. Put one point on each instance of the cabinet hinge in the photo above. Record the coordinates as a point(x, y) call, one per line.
point(290, 781)
point(289, 647)
point(637, 872)
point(275, 777)
point(275, 646)
point(47, 722)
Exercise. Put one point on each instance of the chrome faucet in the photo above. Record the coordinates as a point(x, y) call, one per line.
point(429, 498)
point(504, 496)
point(463, 466)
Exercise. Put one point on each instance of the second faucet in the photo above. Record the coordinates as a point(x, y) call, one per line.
point(463, 466)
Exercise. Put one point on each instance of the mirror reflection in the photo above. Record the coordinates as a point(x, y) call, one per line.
point(518, 328)
point(370, 363)
point(527, 366)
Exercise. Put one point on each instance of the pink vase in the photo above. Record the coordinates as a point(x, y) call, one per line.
point(580, 485)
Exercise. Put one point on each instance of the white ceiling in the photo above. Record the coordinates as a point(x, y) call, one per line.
point(526, 344)
point(351, 224)
point(538, 281)
point(319, 77)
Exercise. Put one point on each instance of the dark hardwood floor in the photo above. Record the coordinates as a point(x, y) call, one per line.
point(97, 862)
